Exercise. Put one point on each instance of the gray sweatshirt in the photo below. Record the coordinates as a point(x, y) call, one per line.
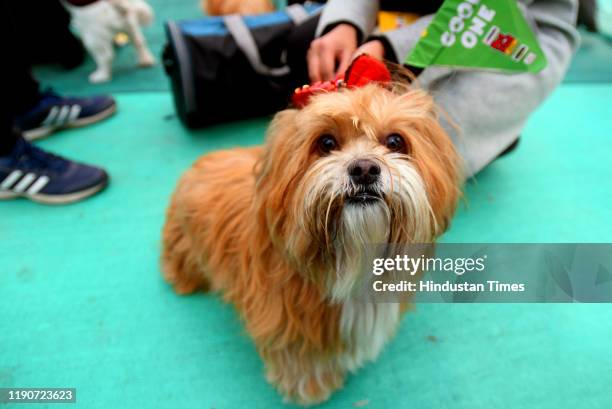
point(490, 108)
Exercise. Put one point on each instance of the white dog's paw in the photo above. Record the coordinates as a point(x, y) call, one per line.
point(146, 59)
point(99, 75)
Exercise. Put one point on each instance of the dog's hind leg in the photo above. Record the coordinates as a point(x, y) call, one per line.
point(144, 11)
point(133, 17)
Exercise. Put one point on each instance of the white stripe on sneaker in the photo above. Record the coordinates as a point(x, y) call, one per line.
point(38, 185)
point(24, 183)
point(51, 116)
point(13, 177)
point(75, 110)
point(63, 115)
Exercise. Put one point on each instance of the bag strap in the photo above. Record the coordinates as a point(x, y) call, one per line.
point(245, 41)
point(297, 13)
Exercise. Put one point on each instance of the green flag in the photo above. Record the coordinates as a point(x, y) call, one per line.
point(489, 34)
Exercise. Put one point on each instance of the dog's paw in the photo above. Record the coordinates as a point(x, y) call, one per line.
point(146, 59)
point(99, 76)
point(306, 389)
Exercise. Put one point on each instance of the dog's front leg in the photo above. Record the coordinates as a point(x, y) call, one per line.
point(101, 49)
point(304, 378)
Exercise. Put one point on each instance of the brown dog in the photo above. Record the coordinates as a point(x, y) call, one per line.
point(281, 229)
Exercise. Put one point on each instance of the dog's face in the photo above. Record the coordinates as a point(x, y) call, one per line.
point(352, 168)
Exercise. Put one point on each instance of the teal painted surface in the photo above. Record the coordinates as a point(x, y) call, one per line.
point(82, 303)
point(593, 59)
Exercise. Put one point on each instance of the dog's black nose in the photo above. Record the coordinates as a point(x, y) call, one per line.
point(364, 171)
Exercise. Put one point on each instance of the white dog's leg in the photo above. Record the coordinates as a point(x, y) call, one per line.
point(102, 52)
point(145, 57)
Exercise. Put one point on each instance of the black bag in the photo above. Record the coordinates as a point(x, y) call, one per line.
point(231, 67)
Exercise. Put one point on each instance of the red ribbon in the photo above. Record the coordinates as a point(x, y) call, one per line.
point(362, 71)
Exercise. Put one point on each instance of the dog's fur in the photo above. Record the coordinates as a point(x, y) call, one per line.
point(270, 228)
point(100, 21)
point(244, 7)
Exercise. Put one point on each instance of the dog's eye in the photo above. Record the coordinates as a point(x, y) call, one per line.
point(327, 143)
point(395, 143)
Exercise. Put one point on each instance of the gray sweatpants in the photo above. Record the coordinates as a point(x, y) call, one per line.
point(489, 108)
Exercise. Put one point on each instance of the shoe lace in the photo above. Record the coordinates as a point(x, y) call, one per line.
point(39, 159)
point(49, 93)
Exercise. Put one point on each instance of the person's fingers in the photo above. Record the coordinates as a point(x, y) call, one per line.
point(373, 48)
point(313, 65)
point(360, 50)
point(346, 56)
point(327, 62)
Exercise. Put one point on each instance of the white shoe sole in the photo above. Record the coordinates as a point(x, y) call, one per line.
point(54, 199)
point(38, 133)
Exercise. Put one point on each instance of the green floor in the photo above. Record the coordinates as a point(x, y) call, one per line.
point(82, 303)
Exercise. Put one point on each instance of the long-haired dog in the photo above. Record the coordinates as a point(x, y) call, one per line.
point(99, 21)
point(281, 229)
point(244, 7)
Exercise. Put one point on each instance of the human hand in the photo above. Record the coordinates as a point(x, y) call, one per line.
point(332, 53)
point(374, 48)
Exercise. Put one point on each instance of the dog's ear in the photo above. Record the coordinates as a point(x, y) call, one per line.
point(437, 159)
point(286, 159)
point(277, 170)
point(280, 141)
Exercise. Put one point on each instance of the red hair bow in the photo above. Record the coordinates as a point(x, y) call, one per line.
point(362, 71)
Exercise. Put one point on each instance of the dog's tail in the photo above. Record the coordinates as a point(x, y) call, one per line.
point(144, 12)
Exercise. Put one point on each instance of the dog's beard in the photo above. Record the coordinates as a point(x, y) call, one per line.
point(353, 223)
point(361, 228)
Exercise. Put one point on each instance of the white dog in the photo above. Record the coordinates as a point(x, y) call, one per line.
point(98, 23)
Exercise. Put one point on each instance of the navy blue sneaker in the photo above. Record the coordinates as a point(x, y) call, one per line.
point(43, 177)
point(54, 112)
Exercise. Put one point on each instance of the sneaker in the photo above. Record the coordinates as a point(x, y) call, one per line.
point(54, 112)
point(40, 176)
